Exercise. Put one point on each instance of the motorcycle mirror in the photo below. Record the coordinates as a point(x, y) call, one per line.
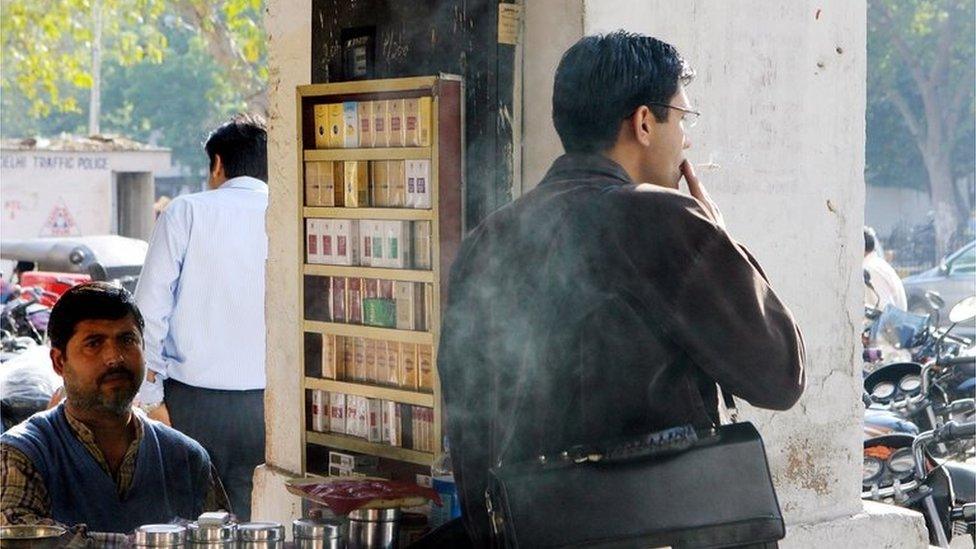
point(935, 300)
point(964, 310)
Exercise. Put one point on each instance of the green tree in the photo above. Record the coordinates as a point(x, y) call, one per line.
point(51, 47)
point(920, 100)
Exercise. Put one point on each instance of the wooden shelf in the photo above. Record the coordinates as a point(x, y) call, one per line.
point(379, 153)
point(404, 214)
point(369, 272)
point(353, 444)
point(423, 83)
point(371, 332)
point(371, 391)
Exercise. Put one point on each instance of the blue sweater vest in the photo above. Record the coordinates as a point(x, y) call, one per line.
point(171, 479)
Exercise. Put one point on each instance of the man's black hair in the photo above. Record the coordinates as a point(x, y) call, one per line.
point(242, 144)
point(870, 240)
point(89, 301)
point(602, 79)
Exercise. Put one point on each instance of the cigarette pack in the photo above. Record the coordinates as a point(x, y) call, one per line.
point(352, 461)
point(359, 359)
point(337, 184)
point(338, 294)
point(320, 406)
point(314, 182)
point(397, 176)
point(332, 356)
point(421, 245)
point(313, 242)
point(408, 366)
point(365, 243)
point(381, 123)
point(322, 126)
point(398, 241)
point(417, 125)
point(382, 361)
point(425, 368)
point(352, 415)
point(346, 242)
point(354, 309)
point(362, 416)
point(337, 412)
point(380, 183)
point(348, 347)
point(350, 126)
point(406, 426)
point(428, 309)
point(418, 427)
point(326, 230)
point(418, 184)
point(375, 412)
point(406, 296)
point(370, 354)
point(396, 131)
point(391, 423)
point(336, 126)
point(364, 111)
point(393, 364)
point(315, 297)
point(336, 471)
point(375, 230)
point(356, 182)
point(379, 312)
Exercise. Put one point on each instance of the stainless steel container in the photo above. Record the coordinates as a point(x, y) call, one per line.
point(260, 535)
point(318, 534)
point(212, 536)
point(160, 535)
point(22, 535)
point(374, 528)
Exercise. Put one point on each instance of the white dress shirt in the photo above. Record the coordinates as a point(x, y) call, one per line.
point(888, 288)
point(201, 290)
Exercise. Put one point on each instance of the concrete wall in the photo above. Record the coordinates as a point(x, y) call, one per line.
point(781, 86)
point(36, 184)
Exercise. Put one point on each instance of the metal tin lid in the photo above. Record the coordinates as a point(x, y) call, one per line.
point(160, 535)
point(260, 531)
point(316, 529)
point(376, 515)
point(210, 532)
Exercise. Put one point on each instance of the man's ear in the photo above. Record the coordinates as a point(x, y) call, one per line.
point(57, 360)
point(643, 124)
point(218, 165)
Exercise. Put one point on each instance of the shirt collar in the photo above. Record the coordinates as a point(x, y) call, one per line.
point(245, 182)
point(584, 165)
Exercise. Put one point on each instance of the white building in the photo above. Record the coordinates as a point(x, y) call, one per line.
point(78, 186)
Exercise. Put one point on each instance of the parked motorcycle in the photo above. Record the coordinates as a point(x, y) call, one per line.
point(902, 470)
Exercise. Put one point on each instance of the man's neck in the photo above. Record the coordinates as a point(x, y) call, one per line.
point(627, 162)
point(103, 423)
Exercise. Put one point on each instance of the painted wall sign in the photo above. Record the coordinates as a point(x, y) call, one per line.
point(53, 162)
point(60, 222)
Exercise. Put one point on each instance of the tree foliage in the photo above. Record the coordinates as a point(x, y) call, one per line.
point(170, 72)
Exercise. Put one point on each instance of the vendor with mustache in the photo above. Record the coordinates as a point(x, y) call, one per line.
point(91, 459)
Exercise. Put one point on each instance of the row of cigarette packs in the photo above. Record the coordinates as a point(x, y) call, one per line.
point(405, 365)
point(385, 123)
point(375, 420)
point(394, 244)
point(372, 302)
point(368, 183)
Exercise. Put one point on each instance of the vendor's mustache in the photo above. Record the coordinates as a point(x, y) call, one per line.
point(115, 371)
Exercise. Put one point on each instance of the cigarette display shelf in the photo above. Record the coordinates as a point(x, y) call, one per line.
point(383, 153)
point(445, 154)
point(406, 275)
point(371, 332)
point(353, 444)
point(402, 396)
point(394, 214)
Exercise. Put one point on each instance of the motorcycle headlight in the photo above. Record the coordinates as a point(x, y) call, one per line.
point(883, 391)
point(910, 383)
point(873, 467)
point(901, 463)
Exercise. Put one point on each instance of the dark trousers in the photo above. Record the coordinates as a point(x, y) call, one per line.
point(230, 426)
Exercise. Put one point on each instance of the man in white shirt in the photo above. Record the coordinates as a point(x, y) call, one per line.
point(885, 282)
point(202, 294)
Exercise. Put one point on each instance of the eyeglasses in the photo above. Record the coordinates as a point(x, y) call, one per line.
point(690, 117)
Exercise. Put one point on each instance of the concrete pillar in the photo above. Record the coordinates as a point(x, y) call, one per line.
point(781, 86)
point(289, 26)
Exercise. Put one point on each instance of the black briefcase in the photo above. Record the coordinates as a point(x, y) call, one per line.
point(679, 488)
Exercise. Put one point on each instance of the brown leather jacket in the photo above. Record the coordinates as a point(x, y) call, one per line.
point(593, 308)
